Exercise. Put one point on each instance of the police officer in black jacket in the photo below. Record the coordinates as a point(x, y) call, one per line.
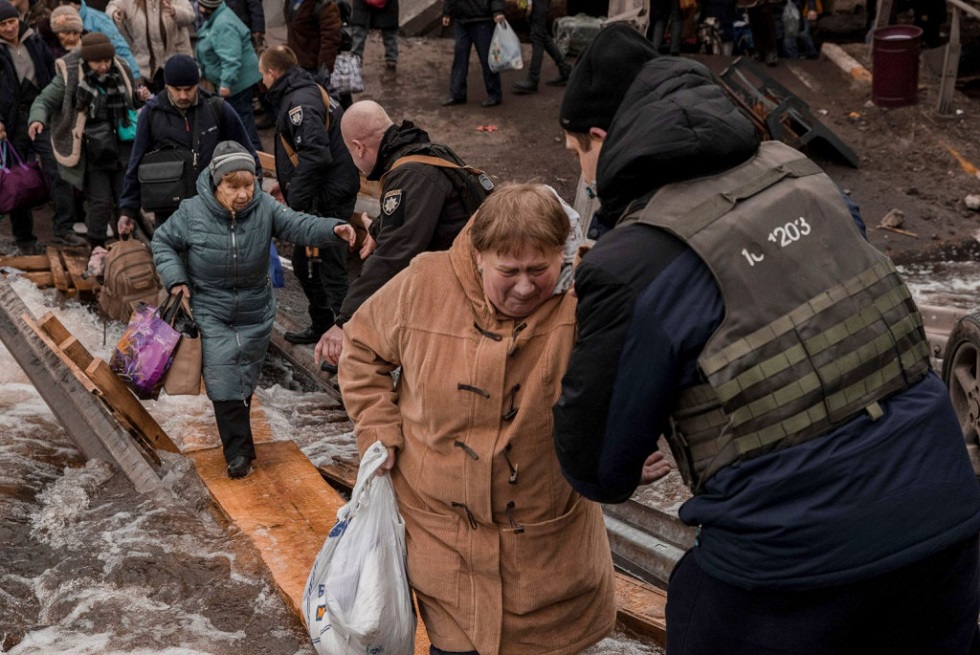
point(423, 205)
point(315, 174)
point(168, 119)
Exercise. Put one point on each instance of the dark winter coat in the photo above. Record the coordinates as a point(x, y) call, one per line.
point(161, 123)
point(224, 258)
point(314, 37)
point(385, 18)
point(326, 180)
point(472, 11)
point(866, 498)
point(420, 211)
point(249, 12)
point(10, 90)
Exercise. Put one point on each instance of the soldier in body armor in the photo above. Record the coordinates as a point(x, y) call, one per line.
point(427, 195)
point(734, 305)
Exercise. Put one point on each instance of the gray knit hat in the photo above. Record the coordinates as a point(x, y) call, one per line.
point(230, 156)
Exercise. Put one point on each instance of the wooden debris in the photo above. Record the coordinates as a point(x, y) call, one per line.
point(894, 218)
point(62, 268)
point(106, 384)
point(86, 420)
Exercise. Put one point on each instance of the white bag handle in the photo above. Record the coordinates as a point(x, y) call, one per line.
point(373, 458)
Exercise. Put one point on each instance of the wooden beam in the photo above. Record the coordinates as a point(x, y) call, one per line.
point(642, 608)
point(41, 278)
point(120, 398)
point(62, 281)
point(113, 391)
point(27, 262)
point(951, 65)
point(86, 420)
point(302, 355)
point(76, 270)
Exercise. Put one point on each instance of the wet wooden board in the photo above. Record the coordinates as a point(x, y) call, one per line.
point(76, 267)
point(284, 506)
point(62, 281)
point(107, 384)
point(641, 608)
point(27, 263)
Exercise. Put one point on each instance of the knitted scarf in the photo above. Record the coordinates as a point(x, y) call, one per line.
point(93, 96)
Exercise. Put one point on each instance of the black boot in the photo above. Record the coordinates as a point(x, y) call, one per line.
point(523, 87)
point(307, 336)
point(235, 430)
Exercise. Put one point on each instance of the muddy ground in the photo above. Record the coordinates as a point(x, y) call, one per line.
point(905, 157)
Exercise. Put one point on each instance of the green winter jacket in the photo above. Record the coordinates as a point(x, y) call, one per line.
point(224, 258)
point(225, 53)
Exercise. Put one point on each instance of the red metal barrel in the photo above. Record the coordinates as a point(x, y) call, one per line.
point(895, 65)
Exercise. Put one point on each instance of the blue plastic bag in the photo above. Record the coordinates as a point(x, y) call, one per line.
point(276, 274)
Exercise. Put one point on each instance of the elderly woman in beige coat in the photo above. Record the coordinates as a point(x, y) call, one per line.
point(503, 555)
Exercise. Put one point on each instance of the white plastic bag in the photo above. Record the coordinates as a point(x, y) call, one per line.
point(505, 49)
point(357, 598)
point(791, 19)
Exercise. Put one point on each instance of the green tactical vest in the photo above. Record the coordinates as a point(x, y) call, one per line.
point(818, 325)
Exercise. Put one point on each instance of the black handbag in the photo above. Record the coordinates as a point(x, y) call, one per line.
point(168, 174)
point(101, 149)
point(166, 177)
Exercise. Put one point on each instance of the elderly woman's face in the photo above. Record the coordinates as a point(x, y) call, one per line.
point(69, 40)
point(519, 283)
point(235, 198)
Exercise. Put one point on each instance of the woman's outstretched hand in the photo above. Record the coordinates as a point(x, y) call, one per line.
point(347, 233)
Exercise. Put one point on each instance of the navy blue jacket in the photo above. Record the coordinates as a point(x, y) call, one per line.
point(326, 180)
point(160, 123)
point(9, 84)
point(250, 12)
point(862, 500)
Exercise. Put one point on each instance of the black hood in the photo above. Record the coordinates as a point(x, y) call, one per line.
point(675, 123)
point(396, 141)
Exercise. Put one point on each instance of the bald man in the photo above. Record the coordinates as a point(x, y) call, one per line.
point(423, 205)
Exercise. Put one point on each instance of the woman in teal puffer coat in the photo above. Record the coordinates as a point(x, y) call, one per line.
point(228, 60)
point(215, 249)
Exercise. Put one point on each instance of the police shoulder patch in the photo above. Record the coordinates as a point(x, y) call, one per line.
point(296, 115)
point(391, 201)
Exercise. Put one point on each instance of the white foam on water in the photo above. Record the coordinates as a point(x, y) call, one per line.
point(952, 284)
point(619, 643)
point(313, 420)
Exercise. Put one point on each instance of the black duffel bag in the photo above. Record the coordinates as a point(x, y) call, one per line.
point(166, 177)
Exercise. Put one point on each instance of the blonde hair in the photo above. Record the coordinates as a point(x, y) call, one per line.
point(519, 215)
point(238, 179)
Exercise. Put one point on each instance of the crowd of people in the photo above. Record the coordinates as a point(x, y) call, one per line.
point(835, 505)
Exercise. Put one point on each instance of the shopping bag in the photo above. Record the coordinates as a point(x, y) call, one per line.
point(346, 76)
point(276, 273)
point(144, 352)
point(791, 19)
point(22, 184)
point(357, 598)
point(183, 378)
point(505, 49)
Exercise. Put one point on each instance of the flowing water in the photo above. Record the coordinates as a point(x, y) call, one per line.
point(90, 567)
